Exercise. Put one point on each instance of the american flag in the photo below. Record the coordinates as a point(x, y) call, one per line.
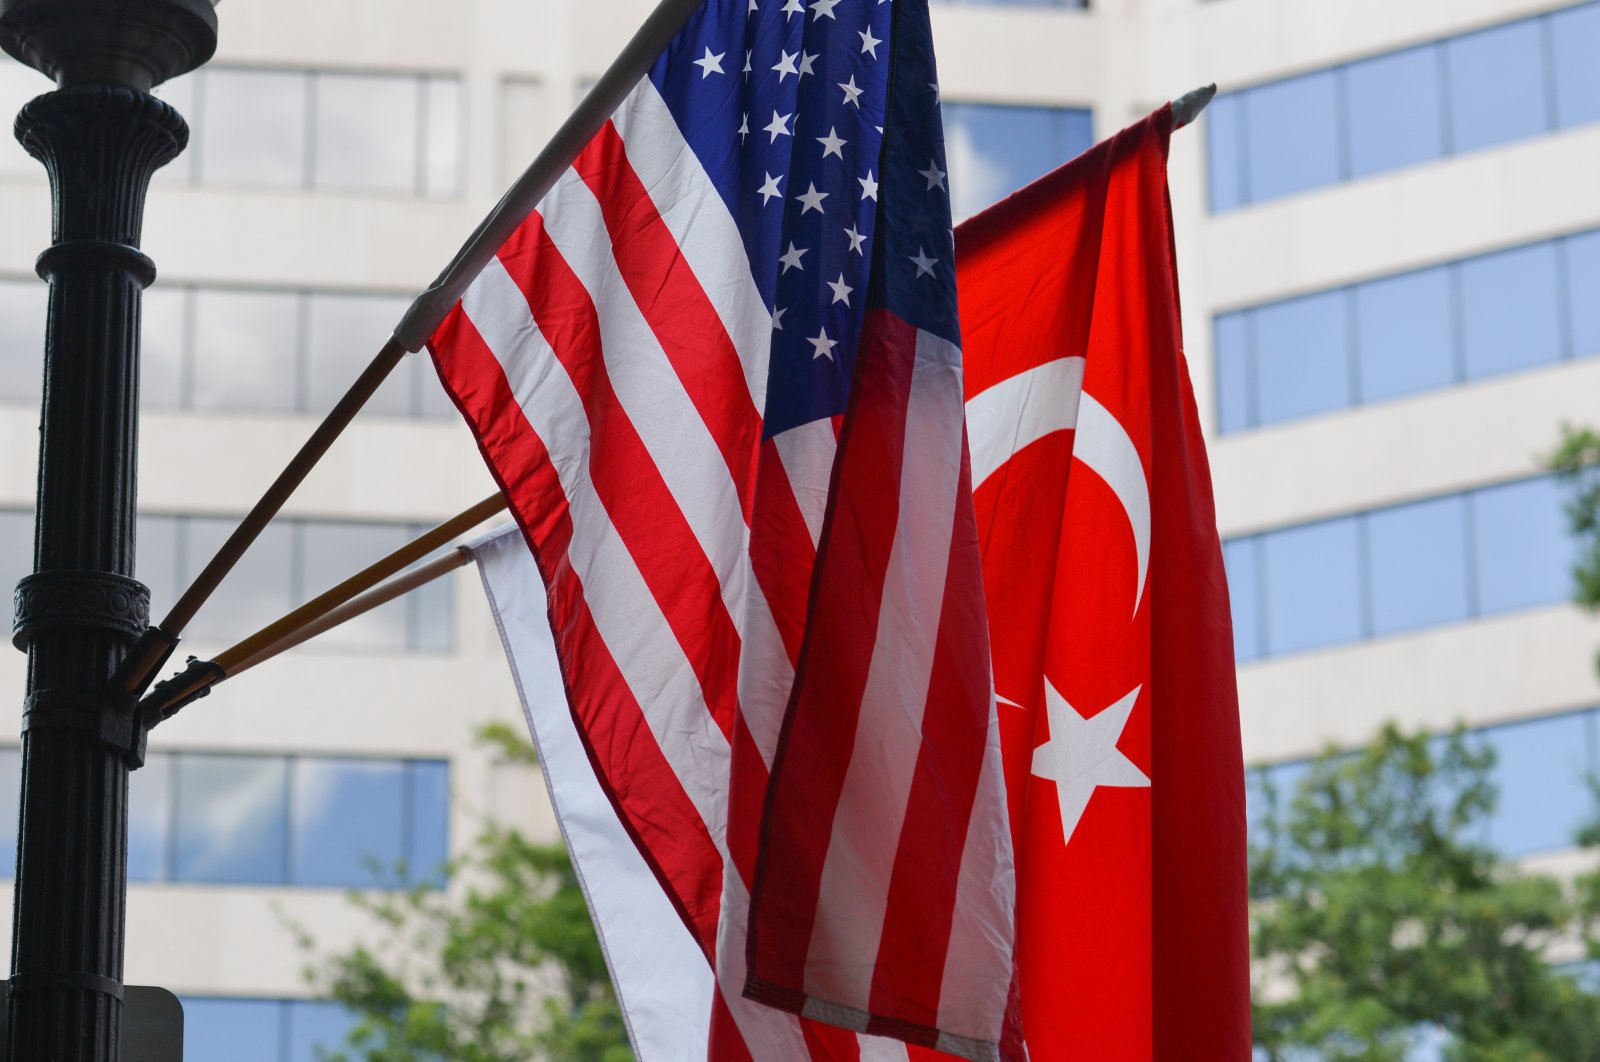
point(716, 372)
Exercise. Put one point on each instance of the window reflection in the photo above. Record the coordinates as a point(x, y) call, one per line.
point(245, 343)
point(346, 830)
point(1313, 585)
point(1575, 41)
point(250, 127)
point(1418, 564)
point(1293, 135)
point(18, 85)
point(149, 824)
point(1497, 85)
point(1405, 335)
point(367, 133)
point(241, 1030)
point(993, 150)
point(1395, 114)
point(23, 304)
point(1302, 360)
point(257, 591)
point(1511, 312)
point(231, 819)
point(333, 552)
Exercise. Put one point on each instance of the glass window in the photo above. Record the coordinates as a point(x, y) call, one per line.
point(433, 615)
point(1233, 372)
point(240, 1030)
point(1293, 135)
point(1541, 769)
point(347, 828)
point(163, 330)
point(1583, 292)
point(1418, 564)
point(1302, 350)
point(343, 333)
point(434, 401)
point(366, 132)
point(252, 128)
point(10, 808)
point(1396, 117)
point(16, 547)
point(429, 843)
point(23, 308)
point(232, 819)
point(1510, 310)
point(1239, 558)
point(334, 552)
point(18, 84)
point(316, 1029)
point(1497, 85)
point(994, 150)
point(441, 132)
point(157, 561)
point(1575, 42)
point(255, 593)
point(1224, 120)
point(245, 349)
point(1313, 584)
point(1405, 334)
point(1523, 554)
point(150, 818)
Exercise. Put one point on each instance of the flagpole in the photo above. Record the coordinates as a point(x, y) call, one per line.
point(1187, 107)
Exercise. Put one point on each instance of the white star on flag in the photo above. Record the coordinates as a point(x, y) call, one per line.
point(934, 175)
point(806, 59)
point(777, 318)
point(779, 124)
point(832, 143)
point(855, 238)
point(869, 187)
point(851, 93)
point(1082, 754)
point(824, 7)
point(710, 64)
point(791, 257)
point(770, 189)
point(785, 65)
point(812, 200)
point(793, 7)
point(869, 43)
point(823, 344)
point(923, 263)
point(841, 290)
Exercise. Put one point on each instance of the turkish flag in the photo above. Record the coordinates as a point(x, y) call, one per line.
point(1112, 642)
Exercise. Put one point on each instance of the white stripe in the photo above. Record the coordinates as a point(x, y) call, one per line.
point(977, 964)
point(881, 1049)
point(807, 454)
point(699, 221)
point(1021, 410)
point(625, 613)
point(866, 828)
point(664, 986)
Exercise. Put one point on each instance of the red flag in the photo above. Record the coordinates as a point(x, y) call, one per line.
point(1111, 636)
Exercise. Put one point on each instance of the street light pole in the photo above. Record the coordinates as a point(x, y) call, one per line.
point(101, 136)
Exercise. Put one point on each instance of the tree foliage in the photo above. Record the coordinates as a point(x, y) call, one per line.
point(503, 968)
point(1382, 920)
point(1577, 461)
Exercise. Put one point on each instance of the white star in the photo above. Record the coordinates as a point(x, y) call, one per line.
point(1082, 754)
point(744, 127)
point(812, 199)
point(785, 65)
point(923, 263)
point(791, 257)
point(869, 43)
point(869, 187)
point(753, 6)
point(806, 59)
point(779, 124)
point(777, 318)
point(823, 7)
point(855, 238)
point(824, 346)
point(709, 64)
point(934, 175)
point(851, 93)
point(793, 7)
point(747, 64)
point(841, 290)
point(935, 86)
point(769, 190)
point(832, 143)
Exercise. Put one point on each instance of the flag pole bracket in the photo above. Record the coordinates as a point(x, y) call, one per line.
point(170, 696)
point(1187, 107)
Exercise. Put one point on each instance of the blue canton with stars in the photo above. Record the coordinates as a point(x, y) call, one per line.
point(786, 103)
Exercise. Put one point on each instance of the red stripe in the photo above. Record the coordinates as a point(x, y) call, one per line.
point(727, 1042)
point(626, 479)
point(781, 552)
point(672, 300)
point(808, 770)
point(955, 731)
point(648, 797)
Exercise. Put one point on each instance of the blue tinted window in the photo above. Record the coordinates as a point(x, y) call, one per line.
point(1293, 135)
point(1497, 86)
point(1224, 149)
point(993, 150)
point(1540, 770)
point(347, 826)
point(1284, 779)
point(232, 819)
point(1302, 354)
point(1510, 310)
point(1239, 557)
point(429, 842)
point(10, 808)
point(1233, 372)
point(1583, 292)
point(314, 1026)
point(150, 818)
point(1404, 335)
point(240, 1030)
point(1575, 42)
point(1418, 564)
point(1394, 108)
point(1313, 585)
point(1523, 554)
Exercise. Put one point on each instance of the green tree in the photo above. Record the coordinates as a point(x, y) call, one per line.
point(506, 969)
point(1380, 920)
point(1577, 461)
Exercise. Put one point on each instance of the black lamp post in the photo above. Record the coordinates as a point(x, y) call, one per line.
point(101, 136)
